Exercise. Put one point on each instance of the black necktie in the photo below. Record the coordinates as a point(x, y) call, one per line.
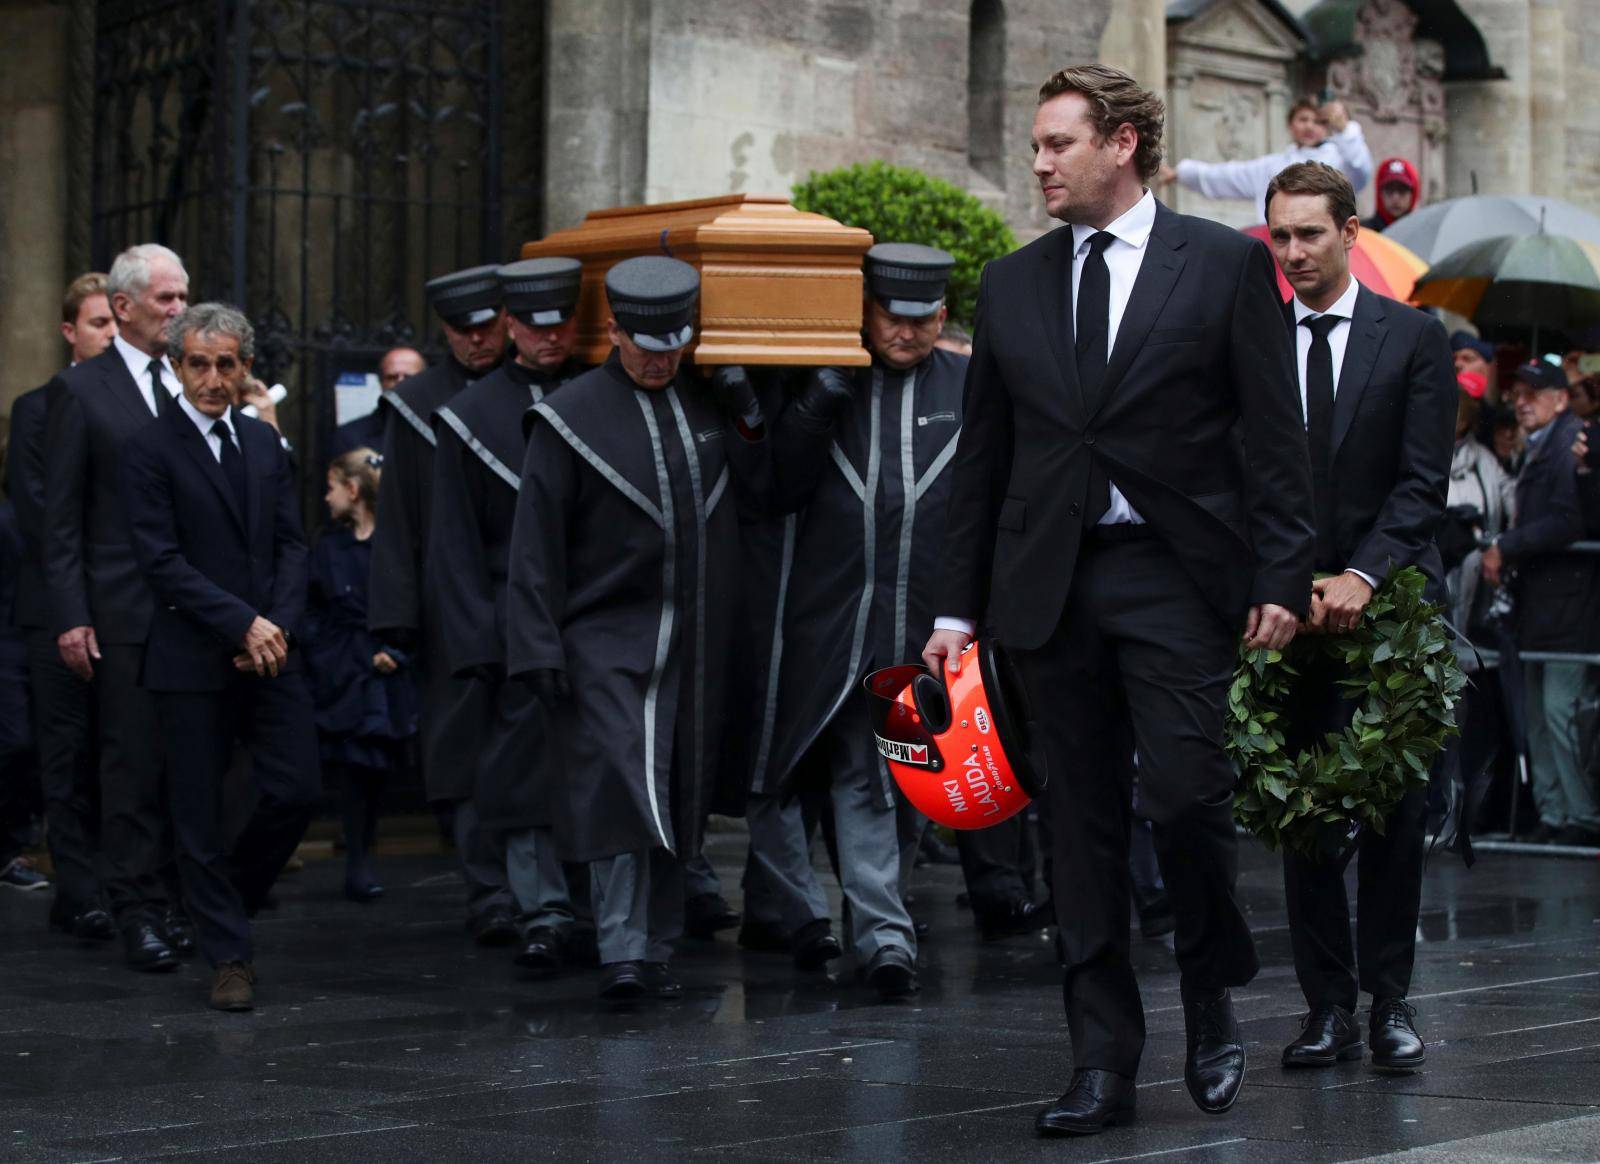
point(232, 462)
point(1093, 349)
point(1319, 427)
point(159, 396)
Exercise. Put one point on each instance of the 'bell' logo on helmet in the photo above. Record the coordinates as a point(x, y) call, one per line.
point(958, 748)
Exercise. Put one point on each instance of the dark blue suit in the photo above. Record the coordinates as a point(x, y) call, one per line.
point(214, 565)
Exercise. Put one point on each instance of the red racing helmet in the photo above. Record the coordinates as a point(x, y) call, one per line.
point(959, 746)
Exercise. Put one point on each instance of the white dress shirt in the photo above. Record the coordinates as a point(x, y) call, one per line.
point(139, 368)
point(1123, 258)
point(1343, 309)
point(206, 423)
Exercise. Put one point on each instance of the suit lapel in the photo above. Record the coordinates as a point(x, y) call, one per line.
point(199, 451)
point(1158, 275)
point(1054, 283)
point(255, 458)
point(120, 383)
point(1367, 333)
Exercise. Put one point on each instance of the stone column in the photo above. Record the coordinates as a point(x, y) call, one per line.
point(1547, 96)
point(1135, 40)
point(598, 104)
point(1491, 138)
point(33, 221)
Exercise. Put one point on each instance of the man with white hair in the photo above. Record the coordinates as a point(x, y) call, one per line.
point(101, 606)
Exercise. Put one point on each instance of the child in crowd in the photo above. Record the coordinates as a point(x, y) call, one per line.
point(366, 702)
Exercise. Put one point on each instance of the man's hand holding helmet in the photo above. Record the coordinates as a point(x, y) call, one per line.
point(942, 645)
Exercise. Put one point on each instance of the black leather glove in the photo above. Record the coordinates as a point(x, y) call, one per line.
point(549, 685)
point(824, 397)
point(486, 672)
point(735, 395)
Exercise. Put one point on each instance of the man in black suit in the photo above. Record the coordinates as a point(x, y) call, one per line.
point(101, 606)
point(62, 708)
point(215, 524)
point(1131, 491)
point(1380, 405)
point(367, 431)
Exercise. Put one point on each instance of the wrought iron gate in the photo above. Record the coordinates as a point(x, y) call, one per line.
point(314, 161)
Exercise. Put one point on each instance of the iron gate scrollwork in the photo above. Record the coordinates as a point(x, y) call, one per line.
point(315, 161)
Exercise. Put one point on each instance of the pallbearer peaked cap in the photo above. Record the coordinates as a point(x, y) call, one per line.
point(465, 298)
point(653, 299)
point(541, 292)
point(907, 278)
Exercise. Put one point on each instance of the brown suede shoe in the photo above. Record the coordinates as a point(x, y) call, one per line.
point(233, 987)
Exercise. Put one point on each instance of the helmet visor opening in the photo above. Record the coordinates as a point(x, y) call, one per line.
point(1013, 715)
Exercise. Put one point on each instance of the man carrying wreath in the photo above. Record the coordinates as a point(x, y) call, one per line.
point(1379, 396)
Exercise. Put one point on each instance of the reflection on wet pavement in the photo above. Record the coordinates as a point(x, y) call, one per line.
point(382, 1034)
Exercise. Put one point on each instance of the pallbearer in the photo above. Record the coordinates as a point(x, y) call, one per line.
point(403, 602)
point(477, 472)
point(620, 607)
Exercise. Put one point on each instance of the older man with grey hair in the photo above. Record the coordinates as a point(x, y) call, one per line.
point(100, 606)
point(215, 526)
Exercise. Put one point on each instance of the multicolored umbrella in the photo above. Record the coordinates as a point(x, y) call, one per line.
point(1534, 281)
point(1378, 262)
point(1445, 227)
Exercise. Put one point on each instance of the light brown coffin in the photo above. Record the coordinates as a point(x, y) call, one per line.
point(777, 285)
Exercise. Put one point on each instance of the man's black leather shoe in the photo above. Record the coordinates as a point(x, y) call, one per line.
point(1093, 1101)
point(1016, 917)
point(541, 951)
point(892, 973)
point(660, 981)
point(91, 925)
point(1328, 1035)
point(493, 927)
point(815, 946)
point(762, 938)
point(179, 932)
point(622, 981)
point(1213, 1070)
point(145, 949)
point(1396, 1046)
point(706, 913)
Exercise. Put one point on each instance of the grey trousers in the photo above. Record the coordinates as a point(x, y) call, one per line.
point(780, 887)
point(537, 881)
point(638, 906)
point(699, 878)
point(909, 826)
point(1564, 792)
point(482, 856)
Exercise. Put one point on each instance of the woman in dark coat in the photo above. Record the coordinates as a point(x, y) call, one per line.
point(365, 698)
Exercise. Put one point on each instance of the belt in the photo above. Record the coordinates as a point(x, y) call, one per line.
point(1118, 532)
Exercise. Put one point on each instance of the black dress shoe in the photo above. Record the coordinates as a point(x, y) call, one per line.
point(1396, 1046)
point(660, 982)
point(179, 932)
point(1328, 1035)
point(1092, 1103)
point(90, 925)
point(762, 938)
point(1578, 835)
point(622, 981)
point(363, 891)
point(892, 973)
point(493, 927)
point(1213, 1070)
point(541, 951)
point(1011, 919)
point(145, 948)
point(706, 913)
point(815, 946)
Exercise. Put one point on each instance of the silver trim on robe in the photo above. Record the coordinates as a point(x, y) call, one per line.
point(769, 714)
point(693, 458)
point(409, 415)
point(615, 478)
point(669, 582)
point(495, 464)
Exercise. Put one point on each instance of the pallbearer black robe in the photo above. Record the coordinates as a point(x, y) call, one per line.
point(403, 595)
point(476, 474)
point(871, 492)
point(622, 573)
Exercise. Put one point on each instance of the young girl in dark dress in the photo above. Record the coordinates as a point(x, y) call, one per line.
point(366, 701)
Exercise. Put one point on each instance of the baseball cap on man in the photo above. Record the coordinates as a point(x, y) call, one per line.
point(1538, 374)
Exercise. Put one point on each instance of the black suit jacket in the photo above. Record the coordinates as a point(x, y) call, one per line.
point(94, 407)
point(1201, 357)
point(25, 488)
point(213, 568)
point(1394, 416)
point(1555, 587)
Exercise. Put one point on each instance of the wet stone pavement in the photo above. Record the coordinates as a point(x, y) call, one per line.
point(382, 1034)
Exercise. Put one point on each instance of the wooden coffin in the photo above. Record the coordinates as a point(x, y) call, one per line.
point(777, 285)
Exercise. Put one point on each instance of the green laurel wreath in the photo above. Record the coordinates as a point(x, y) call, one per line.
point(1400, 668)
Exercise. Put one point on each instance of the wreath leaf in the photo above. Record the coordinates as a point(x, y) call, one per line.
point(1407, 683)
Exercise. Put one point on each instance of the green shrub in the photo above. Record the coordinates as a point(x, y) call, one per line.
point(902, 205)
